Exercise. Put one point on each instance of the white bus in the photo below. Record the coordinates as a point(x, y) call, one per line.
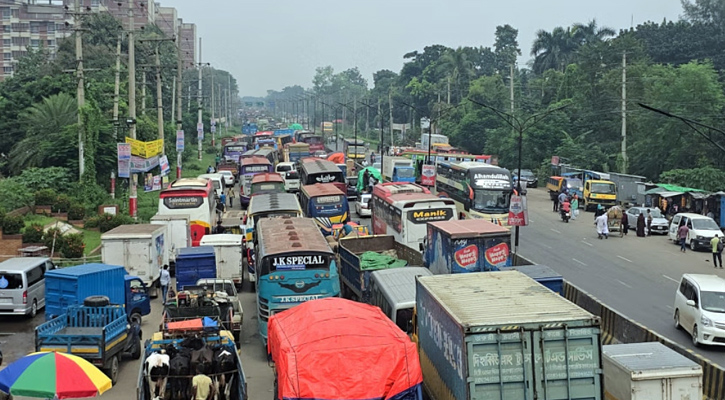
point(403, 209)
point(193, 197)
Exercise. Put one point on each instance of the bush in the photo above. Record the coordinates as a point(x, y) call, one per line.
point(12, 224)
point(33, 234)
point(48, 239)
point(45, 197)
point(76, 212)
point(193, 167)
point(108, 221)
point(62, 203)
point(92, 222)
point(72, 245)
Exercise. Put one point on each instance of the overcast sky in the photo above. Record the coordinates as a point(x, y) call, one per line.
point(270, 44)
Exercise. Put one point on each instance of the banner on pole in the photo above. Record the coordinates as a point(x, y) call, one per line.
point(164, 164)
point(180, 140)
point(428, 175)
point(145, 149)
point(200, 130)
point(518, 213)
point(124, 160)
point(139, 164)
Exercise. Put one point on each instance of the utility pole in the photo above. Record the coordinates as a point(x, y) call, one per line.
point(188, 99)
point(143, 91)
point(159, 101)
point(229, 102)
point(117, 88)
point(213, 119)
point(199, 122)
point(354, 118)
point(381, 149)
point(132, 200)
point(624, 113)
point(511, 88)
point(449, 89)
point(179, 119)
point(390, 121)
point(81, 96)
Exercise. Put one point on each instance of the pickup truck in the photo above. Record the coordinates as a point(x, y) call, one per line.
point(96, 331)
point(196, 302)
point(356, 277)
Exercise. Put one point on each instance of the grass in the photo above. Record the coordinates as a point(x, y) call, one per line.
point(91, 239)
point(38, 219)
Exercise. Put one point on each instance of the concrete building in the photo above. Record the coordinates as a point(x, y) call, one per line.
point(188, 44)
point(144, 12)
point(167, 20)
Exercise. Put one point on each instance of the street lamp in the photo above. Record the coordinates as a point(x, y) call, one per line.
point(433, 121)
point(354, 116)
point(381, 146)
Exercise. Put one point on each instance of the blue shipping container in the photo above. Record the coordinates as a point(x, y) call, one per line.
point(194, 263)
point(470, 245)
point(70, 286)
point(542, 274)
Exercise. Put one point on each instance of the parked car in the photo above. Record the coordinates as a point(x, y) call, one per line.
point(700, 308)
point(362, 205)
point(228, 177)
point(527, 178)
point(291, 181)
point(352, 187)
point(659, 222)
point(320, 154)
point(702, 229)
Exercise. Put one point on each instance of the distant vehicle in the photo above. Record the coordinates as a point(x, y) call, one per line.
point(352, 187)
point(659, 222)
point(527, 177)
point(228, 177)
point(362, 205)
point(320, 153)
point(702, 229)
point(699, 304)
point(291, 181)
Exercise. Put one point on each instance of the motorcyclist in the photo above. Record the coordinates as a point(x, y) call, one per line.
point(565, 207)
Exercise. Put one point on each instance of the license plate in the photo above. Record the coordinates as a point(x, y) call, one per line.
point(6, 300)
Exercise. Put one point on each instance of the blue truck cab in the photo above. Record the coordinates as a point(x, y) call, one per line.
point(66, 287)
point(542, 274)
point(403, 174)
point(194, 263)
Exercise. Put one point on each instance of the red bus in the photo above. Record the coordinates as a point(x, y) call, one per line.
point(193, 197)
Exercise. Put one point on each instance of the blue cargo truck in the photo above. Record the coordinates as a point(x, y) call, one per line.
point(467, 245)
point(69, 286)
point(500, 335)
point(194, 263)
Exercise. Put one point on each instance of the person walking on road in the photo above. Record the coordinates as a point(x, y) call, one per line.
point(164, 280)
point(682, 233)
point(717, 248)
point(602, 223)
point(574, 207)
point(625, 224)
point(649, 222)
point(223, 201)
point(231, 197)
point(640, 225)
point(556, 203)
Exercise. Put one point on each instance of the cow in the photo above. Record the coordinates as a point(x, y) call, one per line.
point(179, 374)
point(156, 369)
point(223, 366)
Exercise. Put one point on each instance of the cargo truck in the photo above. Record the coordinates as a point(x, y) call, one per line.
point(468, 245)
point(178, 235)
point(542, 274)
point(355, 272)
point(194, 263)
point(398, 169)
point(140, 248)
point(500, 335)
point(228, 255)
point(66, 287)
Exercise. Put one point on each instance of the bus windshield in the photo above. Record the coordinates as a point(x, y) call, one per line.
point(603, 188)
point(491, 200)
point(294, 262)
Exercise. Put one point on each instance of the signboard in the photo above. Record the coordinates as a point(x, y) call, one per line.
point(327, 127)
point(280, 132)
point(183, 202)
point(139, 164)
point(180, 140)
point(491, 181)
point(145, 149)
point(554, 160)
point(255, 168)
point(213, 129)
point(148, 182)
point(428, 175)
point(157, 183)
point(328, 200)
point(164, 164)
point(518, 213)
point(200, 130)
point(124, 160)
point(424, 123)
point(430, 215)
point(296, 263)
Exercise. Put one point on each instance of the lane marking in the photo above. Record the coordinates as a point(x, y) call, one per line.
point(554, 230)
point(673, 280)
point(627, 260)
point(587, 243)
point(624, 284)
point(579, 262)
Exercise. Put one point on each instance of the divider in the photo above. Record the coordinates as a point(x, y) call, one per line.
point(616, 328)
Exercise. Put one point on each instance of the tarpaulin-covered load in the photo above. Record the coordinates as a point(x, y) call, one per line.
point(334, 348)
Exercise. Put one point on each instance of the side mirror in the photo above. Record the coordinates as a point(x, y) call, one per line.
point(691, 303)
point(421, 247)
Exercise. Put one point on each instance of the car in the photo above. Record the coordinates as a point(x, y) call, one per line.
point(291, 181)
point(320, 154)
point(362, 205)
point(351, 187)
point(228, 177)
point(659, 222)
point(226, 286)
point(702, 229)
point(700, 308)
point(527, 177)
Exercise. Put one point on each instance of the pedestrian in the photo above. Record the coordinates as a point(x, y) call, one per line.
point(602, 223)
point(682, 233)
point(575, 206)
point(366, 177)
point(640, 225)
point(223, 198)
point(217, 160)
point(372, 157)
point(371, 183)
point(218, 228)
point(556, 203)
point(717, 247)
point(219, 208)
point(625, 223)
point(649, 222)
point(210, 170)
point(202, 386)
point(164, 280)
point(231, 196)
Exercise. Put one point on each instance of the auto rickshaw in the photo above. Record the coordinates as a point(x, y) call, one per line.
point(614, 220)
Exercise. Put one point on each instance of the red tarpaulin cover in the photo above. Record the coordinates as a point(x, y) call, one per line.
point(334, 348)
point(191, 324)
point(337, 158)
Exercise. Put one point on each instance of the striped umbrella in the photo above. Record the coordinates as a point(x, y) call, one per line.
point(52, 375)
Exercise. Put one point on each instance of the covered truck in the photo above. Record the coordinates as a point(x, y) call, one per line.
point(360, 256)
point(194, 263)
point(468, 245)
point(398, 169)
point(501, 335)
point(334, 348)
point(228, 253)
point(178, 235)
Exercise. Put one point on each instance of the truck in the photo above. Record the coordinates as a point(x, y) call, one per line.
point(178, 235)
point(398, 169)
point(434, 139)
point(141, 248)
point(228, 255)
point(500, 335)
point(542, 274)
point(649, 371)
point(294, 152)
point(355, 271)
point(194, 263)
point(467, 245)
point(96, 331)
point(67, 287)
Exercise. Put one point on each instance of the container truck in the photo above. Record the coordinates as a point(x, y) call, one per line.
point(355, 270)
point(178, 235)
point(542, 274)
point(501, 335)
point(649, 371)
point(140, 248)
point(435, 138)
point(228, 254)
point(194, 263)
point(468, 245)
point(398, 169)
point(69, 286)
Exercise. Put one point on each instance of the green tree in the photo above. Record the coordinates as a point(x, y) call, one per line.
point(459, 69)
point(704, 11)
point(553, 50)
point(590, 33)
point(506, 47)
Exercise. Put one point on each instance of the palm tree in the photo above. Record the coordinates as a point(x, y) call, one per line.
point(46, 124)
point(590, 33)
point(458, 68)
point(553, 50)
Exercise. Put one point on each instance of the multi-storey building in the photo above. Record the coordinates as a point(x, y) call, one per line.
point(167, 20)
point(187, 41)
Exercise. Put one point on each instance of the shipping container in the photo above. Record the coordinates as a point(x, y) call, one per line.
point(542, 274)
point(649, 371)
point(178, 235)
point(501, 335)
point(194, 263)
point(467, 245)
point(228, 253)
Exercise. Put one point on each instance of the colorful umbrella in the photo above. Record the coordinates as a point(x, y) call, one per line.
point(53, 375)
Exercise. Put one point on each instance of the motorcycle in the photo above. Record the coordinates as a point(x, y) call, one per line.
point(565, 215)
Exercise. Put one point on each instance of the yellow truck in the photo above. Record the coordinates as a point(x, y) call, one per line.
point(599, 191)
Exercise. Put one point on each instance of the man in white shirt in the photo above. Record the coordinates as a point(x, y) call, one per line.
point(165, 280)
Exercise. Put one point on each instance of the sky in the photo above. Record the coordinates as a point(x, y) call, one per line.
point(270, 44)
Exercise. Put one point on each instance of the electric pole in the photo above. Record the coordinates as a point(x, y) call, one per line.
point(229, 103)
point(199, 122)
point(143, 91)
point(117, 88)
point(80, 96)
point(390, 103)
point(213, 100)
point(624, 113)
point(179, 84)
point(511, 88)
point(132, 200)
point(159, 101)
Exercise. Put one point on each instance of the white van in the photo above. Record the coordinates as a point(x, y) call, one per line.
point(217, 180)
point(393, 290)
point(228, 253)
point(702, 229)
point(290, 176)
point(700, 308)
point(22, 285)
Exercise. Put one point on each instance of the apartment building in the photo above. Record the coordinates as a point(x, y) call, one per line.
point(167, 20)
point(188, 43)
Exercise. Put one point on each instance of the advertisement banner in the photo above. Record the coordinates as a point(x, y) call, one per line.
point(180, 140)
point(164, 182)
point(428, 175)
point(148, 182)
point(200, 130)
point(139, 164)
point(465, 256)
point(518, 212)
point(145, 149)
point(497, 254)
point(156, 183)
point(164, 164)
point(124, 160)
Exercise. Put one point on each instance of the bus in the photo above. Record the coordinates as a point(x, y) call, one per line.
point(250, 167)
point(266, 183)
point(232, 151)
point(266, 206)
point(403, 209)
point(419, 157)
point(315, 170)
point(354, 149)
point(268, 153)
point(479, 191)
point(301, 135)
point(315, 141)
point(193, 197)
point(295, 264)
point(326, 204)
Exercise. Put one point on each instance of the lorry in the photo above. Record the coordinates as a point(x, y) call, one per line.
point(501, 335)
point(178, 235)
point(67, 287)
point(294, 152)
point(141, 248)
point(649, 371)
point(398, 169)
point(194, 263)
point(467, 245)
point(228, 255)
point(542, 274)
point(355, 269)
point(435, 138)
point(96, 331)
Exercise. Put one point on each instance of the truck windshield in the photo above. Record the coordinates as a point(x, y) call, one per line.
point(356, 149)
point(713, 301)
point(406, 173)
point(603, 188)
point(491, 200)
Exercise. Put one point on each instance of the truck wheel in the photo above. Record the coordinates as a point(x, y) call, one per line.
point(112, 372)
point(136, 349)
point(96, 301)
point(135, 318)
